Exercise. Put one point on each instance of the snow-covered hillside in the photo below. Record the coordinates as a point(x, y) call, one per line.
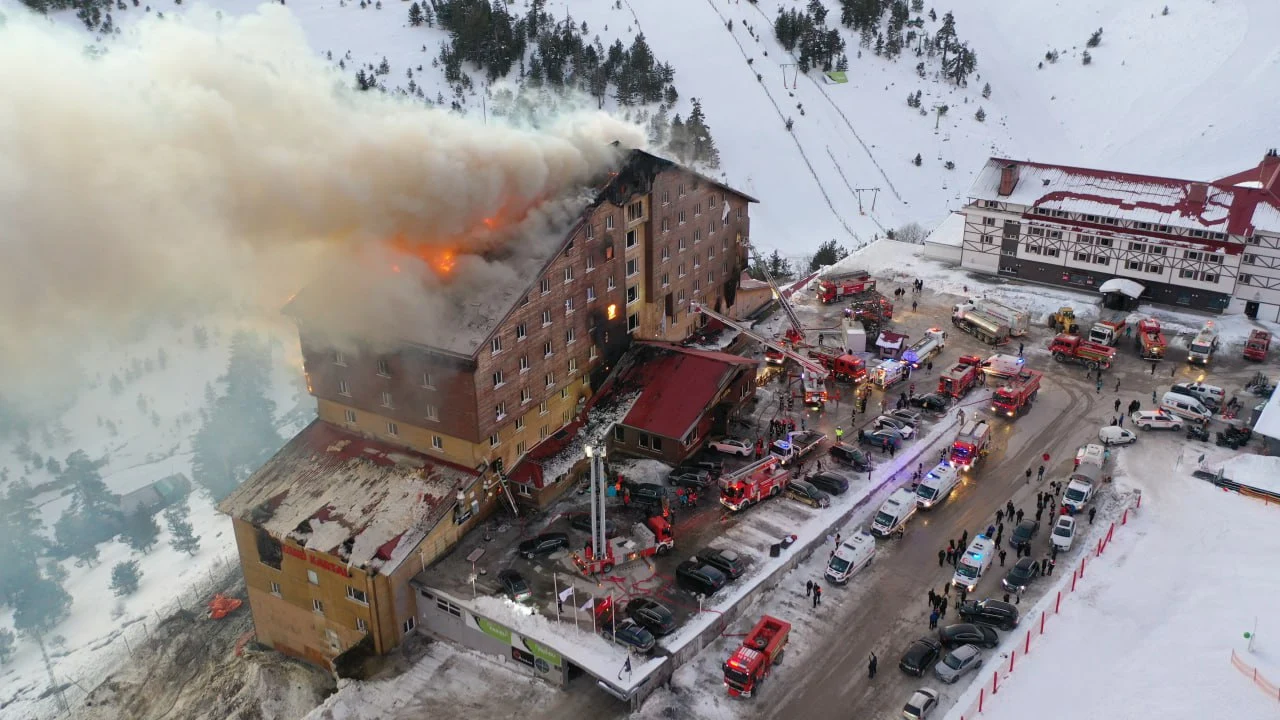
point(1167, 93)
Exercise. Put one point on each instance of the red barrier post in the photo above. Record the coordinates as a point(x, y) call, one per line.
point(1098, 550)
point(1075, 575)
point(1124, 518)
point(995, 682)
point(1082, 563)
point(1139, 503)
point(1057, 604)
point(1110, 531)
point(1013, 655)
point(1042, 623)
point(982, 698)
point(1026, 648)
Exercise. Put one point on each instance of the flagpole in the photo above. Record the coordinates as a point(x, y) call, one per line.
point(555, 588)
point(575, 610)
point(613, 616)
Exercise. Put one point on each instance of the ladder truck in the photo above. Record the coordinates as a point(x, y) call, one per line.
point(813, 375)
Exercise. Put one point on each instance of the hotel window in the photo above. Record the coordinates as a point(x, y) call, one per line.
point(568, 248)
point(666, 253)
point(547, 349)
point(633, 238)
point(498, 380)
point(520, 448)
point(546, 318)
point(593, 353)
point(433, 413)
point(544, 285)
point(570, 336)
point(275, 589)
point(361, 625)
point(526, 395)
point(682, 244)
point(564, 393)
point(680, 270)
point(317, 605)
point(437, 442)
point(542, 408)
point(666, 225)
point(591, 231)
point(989, 221)
point(1138, 247)
point(633, 322)
point(339, 358)
point(550, 379)
point(680, 217)
point(409, 625)
point(494, 440)
point(565, 416)
point(591, 293)
point(1133, 265)
point(635, 211)
point(697, 209)
point(1155, 269)
point(393, 430)
point(1249, 259)
point(495, 345)
point(633, 267)
point(573, 365)
point(1185, 274)
point(697, 286)
point(428, 382)
point(633, 294)
point(568, 275)
point(711, 201)
point(680, 190)
point(666, 279)
point(591, 263)
point(343, 388)
point(500, 411)
point(521, 332)
point(357, 595)
point(666, 197)
point(568, 306)
point(383, 369)
point(520, 424)
point(608, 223)
point(386, 400)
point(611, 284)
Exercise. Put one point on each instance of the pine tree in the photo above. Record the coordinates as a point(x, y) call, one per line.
point(183, 537)
point(918, 160)
point(828, 253)
point(986, 90)
point(22, 538)
point(917, 5)
point(140, 531)
point(946, 35)
point(415, 15)
point(1086, 58)
point(125, 577)
point(93, 516)
point(702, 147)
point(116, 384)
point(1095, 39)
point(981, 115)
point(678, 145)
point(39, 606)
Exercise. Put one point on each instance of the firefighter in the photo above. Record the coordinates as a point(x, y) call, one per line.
point(839, 433)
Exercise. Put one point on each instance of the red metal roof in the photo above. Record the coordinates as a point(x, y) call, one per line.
point(678, 385)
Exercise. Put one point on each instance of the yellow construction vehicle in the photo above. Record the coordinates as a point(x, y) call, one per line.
point(1064, 321)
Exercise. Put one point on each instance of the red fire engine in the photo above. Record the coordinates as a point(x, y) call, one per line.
point(843, 367)
point(755, 482)
point(654, 537)
point(959, 380)
point(1256, 347)
point(834, 288)
point(761, 650)
point(1017, 394)
point(1150, 341)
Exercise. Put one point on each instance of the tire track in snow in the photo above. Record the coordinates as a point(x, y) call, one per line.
point(724, 22)
point(866, 148)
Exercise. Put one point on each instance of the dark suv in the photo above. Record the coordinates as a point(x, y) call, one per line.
point(829, 483)
point(700, 578)
point(920, 656)
point(854, 457)
point(690, 478)
point(989, 612)
point(1024, 533)
point(544, 544)
point(728, 562)
point(653, 615)
point(646, 493)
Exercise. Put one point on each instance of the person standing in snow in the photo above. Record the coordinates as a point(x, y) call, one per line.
point(942, 556)
point(1002, 556)
point(1092, 512)
point(871, 666)
point(808, 588)
point(933, 620)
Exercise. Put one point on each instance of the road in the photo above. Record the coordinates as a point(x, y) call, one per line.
point(886, 607)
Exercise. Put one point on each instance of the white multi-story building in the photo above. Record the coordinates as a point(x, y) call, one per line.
point(1205, 245)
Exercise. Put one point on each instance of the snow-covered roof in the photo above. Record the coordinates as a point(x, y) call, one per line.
point(949, 232)
point(1269, 421)
point(335, 492)
point(1210, 205)
point(1122, 285)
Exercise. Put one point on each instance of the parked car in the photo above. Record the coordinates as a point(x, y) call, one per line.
point(543, 544)
point(582, 521)
point(1024, 533)
point(1113, 435)
point(1064, 533)
point(1156, 420)
point(910, 417)
point(854, 457)
point(713, 467)
point(514, 586)
point(699, 578)
point(884, 421)
point(690, 478)
point(880, 437)
point(995, 613)
point(806, 493)
point(650, 494)
point(830, 483)
point(932, 402)
point(733, 446)
point(968, 634)
point(956, 663)
point(923, 702)
point(652, 615)
point(919, 656)
point(629, 633)
point(1019, 577)
point(728, 562)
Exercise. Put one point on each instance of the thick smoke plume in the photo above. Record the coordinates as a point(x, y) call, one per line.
point(204, 160)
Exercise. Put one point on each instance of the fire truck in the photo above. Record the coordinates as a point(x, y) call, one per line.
point(1016, 395)
point(796, 445)
point(1257, 346)
point(926, 348)
point(1073, 348)
point(971, 445)
point(1106, 332)
point(813, 376)
point(959, 379)
point(843, 367)
point(835, 288)
point(1150, 341)
point(875, 308)
point(757, 481)
point(750, 664)
point(652, 537)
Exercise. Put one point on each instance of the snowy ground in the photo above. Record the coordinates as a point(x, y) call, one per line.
point(1150, 630)
point(100, 628)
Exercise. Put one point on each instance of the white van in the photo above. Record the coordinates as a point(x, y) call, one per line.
point(974, 562)
point(1091, 454)
point(1208, 395)
point(1185, 406)
point(1078, 494)
point(852, 555)
point(894, 513)
point(1088, 473)
point(937, 485)
point(1003, 365)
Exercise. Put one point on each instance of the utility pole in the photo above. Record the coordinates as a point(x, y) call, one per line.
point(874, 192)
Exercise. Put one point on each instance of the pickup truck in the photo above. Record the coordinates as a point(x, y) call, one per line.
point(796, 446)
